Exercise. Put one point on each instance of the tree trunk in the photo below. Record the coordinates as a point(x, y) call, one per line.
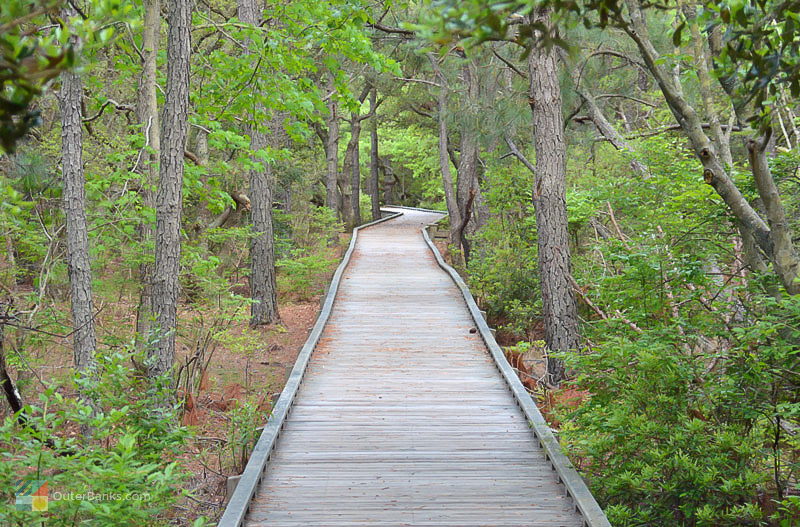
point(169, 197)
point(12, 395)
point(467, 190)
point(263, 288)
point(468, 193)
point(444, 156)
point(389, 179)
point(549, 199)
point(355, 180)
point(74, 203)
point(332, 199)
point(351, 170)
point(147, 115)
point(373, 157)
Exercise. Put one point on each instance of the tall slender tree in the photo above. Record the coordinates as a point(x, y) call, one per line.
point(374, 159)
point(74, 201)
point(169, 195)
point(467, 187)
point(444, 157)
point(559, 309)
point(263, 289)
point(350, 183)
point(330, 141)
point(147, 116)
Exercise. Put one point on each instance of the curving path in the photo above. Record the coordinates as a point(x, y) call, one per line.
point(402, 417)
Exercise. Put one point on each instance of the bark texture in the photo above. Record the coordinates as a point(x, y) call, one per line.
point(169, 196)
point(74, 202)
point(263, 288)
point(355, 174)
point(549, 199)
point(330, 142)
point(147, 116)
point(349, 181)
point(374, 160)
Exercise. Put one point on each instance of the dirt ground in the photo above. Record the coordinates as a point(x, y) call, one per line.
point(233, 378)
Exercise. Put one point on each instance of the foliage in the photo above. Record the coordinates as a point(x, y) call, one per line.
point(121, 472)
point(303, 268)
point(682, 425)
point(242, 435)
point(503, 271)
point(31, 60)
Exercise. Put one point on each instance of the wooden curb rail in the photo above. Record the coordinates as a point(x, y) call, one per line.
point(239, 503)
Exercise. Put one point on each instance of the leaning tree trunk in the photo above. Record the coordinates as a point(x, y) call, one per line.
point(74, 199)
point(373, 157)
point(549, 200)
point(771, 235)
point(147, 115)
point(263, 289)
point(169, 197)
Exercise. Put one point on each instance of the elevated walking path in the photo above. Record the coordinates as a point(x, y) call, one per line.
point(400, 413)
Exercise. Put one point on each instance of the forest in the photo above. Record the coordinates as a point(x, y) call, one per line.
point(179, 179)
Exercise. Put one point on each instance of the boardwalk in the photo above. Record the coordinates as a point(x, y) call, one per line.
point(402, 418)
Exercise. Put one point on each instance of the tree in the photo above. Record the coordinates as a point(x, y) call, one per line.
point(771, 236)
point(169, 195)
point(468, 190)
point(330, 143)
point(263, 290)
point(374, 159)
point(74, 198)
point(559, 310)
point(453, 210)
point(147, 116)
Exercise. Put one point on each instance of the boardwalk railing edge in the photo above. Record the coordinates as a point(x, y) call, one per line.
point(576, 488)
point(238, 506)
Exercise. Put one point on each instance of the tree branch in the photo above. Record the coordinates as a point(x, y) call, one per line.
point(620, 96)
point(421, 81)
point(391, 30)
point(509, 64)
point(519, 155)
point(117, 106)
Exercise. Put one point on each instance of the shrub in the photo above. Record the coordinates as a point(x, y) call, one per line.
point(120, 473)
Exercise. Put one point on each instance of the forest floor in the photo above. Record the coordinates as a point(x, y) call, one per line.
point(233, 379)
point(234, 396)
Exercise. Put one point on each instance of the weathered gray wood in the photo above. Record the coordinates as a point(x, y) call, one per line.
point(402, 417)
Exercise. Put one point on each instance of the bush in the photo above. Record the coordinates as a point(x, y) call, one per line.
point(681, 436)
point(120, 473)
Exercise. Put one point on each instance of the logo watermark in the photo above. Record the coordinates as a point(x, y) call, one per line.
point(34, 495)
point(31, 495)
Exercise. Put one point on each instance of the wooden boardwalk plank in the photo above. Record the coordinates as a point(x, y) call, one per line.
point(402, 418)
